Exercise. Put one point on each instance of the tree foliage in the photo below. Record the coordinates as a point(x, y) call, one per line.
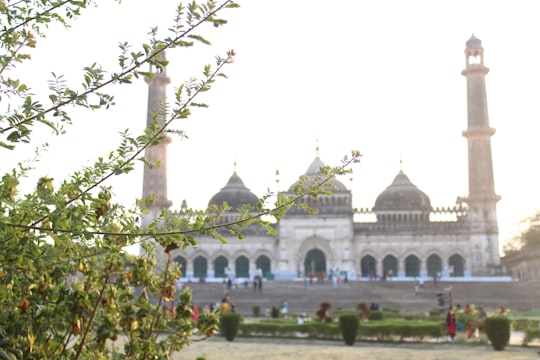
point(68, 288)
point(528, 237)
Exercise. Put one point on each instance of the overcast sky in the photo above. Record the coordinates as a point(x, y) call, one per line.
point(383, 77)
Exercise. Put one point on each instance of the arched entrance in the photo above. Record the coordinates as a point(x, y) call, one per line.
point(412, 266)
point(315, 262)
point(200, 267)
point(434, 265)
point(242, 267)
point(263, 263)
point(390, 262)
point(220, 265)
point(368, 266)
point(457, 265)
point(183, 265)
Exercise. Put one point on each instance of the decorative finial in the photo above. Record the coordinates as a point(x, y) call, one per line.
point(317, 147)
point(234, 163)
point(400, 161)
point(277, 180)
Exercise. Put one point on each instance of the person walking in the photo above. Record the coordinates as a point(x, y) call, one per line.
point(275, 312)
point(451, 323)
point(284, 308)
point(224, 305)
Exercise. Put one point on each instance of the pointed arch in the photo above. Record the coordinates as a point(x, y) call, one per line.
point(183, 264)
point(220, 266)
point(263, 263)
point(368, 266)
point(457, 264)
point(412, 266)
point(315, 262)
point(241, 267)
point(200, 267)
point(434, 265)
point(311, 243)
point(390, 262)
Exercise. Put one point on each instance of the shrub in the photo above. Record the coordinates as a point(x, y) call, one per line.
point(322, 313)
point(384, 330)
point(529, 335)
point(522, 324)
point(498, 331)
point(376, 315)
point(362, 306)
point(348, 324)
point(465, 319)
point(256, 310)
point(434, 312)
point(290, 329)
point(325, 305)
point(228, 325)
point(412, 316)
point(363, 309)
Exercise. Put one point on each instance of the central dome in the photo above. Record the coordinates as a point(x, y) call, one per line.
point(402, 195)
point(236, 194)
point(313, 170)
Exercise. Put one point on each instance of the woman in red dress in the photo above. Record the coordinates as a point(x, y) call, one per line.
point(451, 323)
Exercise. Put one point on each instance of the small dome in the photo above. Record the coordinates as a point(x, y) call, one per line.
point(236, 194)
point(402, 195)
point(313, 170)
point(474, 42)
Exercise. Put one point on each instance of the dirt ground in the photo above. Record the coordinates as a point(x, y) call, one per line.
point(217, 348)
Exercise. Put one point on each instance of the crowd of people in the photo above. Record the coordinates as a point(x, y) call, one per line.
point(468, 319)
point(335, 276)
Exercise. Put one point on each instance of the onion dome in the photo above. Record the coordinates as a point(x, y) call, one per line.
point(402, 196)
point(313, 170)
point(474, 42)
point(236, 194)
point(337, 204)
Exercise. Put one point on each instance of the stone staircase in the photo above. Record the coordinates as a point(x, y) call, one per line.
point(394, 294)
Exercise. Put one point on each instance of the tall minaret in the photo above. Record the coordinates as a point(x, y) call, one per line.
point(155, 178)
point(482, 199)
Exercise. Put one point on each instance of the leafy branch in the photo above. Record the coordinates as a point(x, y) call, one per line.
point(317, 188)
point(93, 77)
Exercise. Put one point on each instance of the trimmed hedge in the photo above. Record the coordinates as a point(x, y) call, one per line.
point(530, 335)
point(311, 330)
point(522, 324)
point(530, 328)
point(229, 324)
point(405, 315)
point(348, 324)
point(376, 315)
point(498, 331)
point(387, 330)
point(382, 330)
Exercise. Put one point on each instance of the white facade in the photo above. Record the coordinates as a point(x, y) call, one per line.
point(401, 235)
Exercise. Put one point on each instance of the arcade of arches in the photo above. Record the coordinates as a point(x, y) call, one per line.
point(412, 266)
point(315, 262)
point(221, 265)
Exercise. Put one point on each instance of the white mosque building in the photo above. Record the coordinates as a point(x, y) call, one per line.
point(401, 234)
